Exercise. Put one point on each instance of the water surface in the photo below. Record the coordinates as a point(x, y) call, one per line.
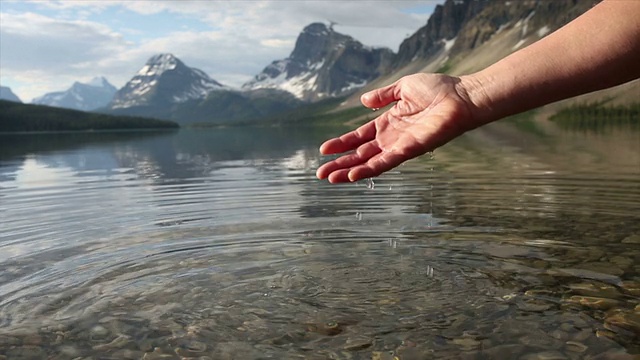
point(521, 240)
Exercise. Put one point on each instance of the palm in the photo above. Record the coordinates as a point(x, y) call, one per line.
point(428, 113)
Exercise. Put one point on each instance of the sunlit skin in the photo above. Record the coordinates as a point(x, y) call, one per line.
point(599, 49)
point(427, 113)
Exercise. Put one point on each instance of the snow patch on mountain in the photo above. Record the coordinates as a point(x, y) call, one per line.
point(448, 44)
point(92, 95)
point(323, 63)
point(164, 78)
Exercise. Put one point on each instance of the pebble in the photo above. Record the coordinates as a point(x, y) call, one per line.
point(99, 332)
point(595, 289)
point(575, 346)
point(632, 287)
point(156, 355)
point(382, 355)
point(632, 239)
point(26, 353)
point(594, 302)
point(8, 340)
point(466, 343)
point(545, 355)
point(625, 319)
point(357, 344)
point(69, 351)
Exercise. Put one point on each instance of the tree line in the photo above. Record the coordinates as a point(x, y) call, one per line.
point(597, 115)
point(17, 117)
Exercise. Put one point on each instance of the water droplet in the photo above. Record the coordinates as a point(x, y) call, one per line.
point(370, 184)
point(429, 271)
point(375, 109)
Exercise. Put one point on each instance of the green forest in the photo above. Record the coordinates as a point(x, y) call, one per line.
point(17, 117)
point(597, 115)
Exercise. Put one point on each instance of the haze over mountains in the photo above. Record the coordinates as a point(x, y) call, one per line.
point(460, 36)
point(7, 94)
point(90, 96)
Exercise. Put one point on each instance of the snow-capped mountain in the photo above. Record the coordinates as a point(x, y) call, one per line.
point(7, 94)
point(80, 96)
point(324, 63)
point(163, 80)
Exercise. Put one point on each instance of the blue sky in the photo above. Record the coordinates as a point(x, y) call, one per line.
point(47, 45)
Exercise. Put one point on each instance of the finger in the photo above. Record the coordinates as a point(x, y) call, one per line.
point(383, 162)
point(350, 140)
point(340, 176)
point(358, 157)
point(380, 97)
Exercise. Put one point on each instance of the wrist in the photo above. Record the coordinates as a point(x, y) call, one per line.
point(473, 90)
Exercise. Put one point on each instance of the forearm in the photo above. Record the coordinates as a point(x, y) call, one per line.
point(600, 49)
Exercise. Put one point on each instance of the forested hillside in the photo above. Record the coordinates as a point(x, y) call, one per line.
point(17, 117)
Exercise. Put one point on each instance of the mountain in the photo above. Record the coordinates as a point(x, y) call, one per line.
point(92, 95)
point(7, 94)
point(165, 88)
point(440, 32)
point(464, 36)
point(459, 28)
point(324, 63)
point(164, 80)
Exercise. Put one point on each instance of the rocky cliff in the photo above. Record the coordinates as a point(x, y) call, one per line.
point(458, 27)
point(324, 63)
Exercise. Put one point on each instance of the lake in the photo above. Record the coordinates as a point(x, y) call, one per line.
point(520, 240)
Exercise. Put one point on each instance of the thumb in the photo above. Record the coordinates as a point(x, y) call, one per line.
point(380, 97)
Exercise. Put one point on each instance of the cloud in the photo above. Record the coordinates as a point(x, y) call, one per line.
point(58, 42)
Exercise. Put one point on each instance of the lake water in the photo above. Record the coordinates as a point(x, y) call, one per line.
point(518, 240)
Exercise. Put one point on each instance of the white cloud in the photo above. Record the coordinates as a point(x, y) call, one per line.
point(59, 42)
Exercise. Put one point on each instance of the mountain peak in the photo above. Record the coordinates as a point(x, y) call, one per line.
point(7, 94)
point(317, 29)
point(164, 79)
point(158, 64)
point(98, 81)
point(80, 96)
point(323, 63)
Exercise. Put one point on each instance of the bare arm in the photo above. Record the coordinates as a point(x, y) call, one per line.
point(599, 49)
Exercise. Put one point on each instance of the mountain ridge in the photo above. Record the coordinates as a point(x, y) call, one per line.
point(80, 96)
point(323, 63)
point(164, 79)
point(8, 95)
point(460, 37)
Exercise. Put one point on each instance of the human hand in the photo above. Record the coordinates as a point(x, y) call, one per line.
point(430, 110)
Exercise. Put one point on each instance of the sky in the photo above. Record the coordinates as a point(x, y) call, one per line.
point(46, 46)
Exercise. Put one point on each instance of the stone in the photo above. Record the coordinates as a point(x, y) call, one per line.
point(624, 319)
point(466, 343)
point(596, 289)
point(594, 302)
point(99, 332)
point(545, 355)
point(357, 344)
point(631, 287)
point(631, 239)
point(382, 355)
point(26, 353)
point(575, 346)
